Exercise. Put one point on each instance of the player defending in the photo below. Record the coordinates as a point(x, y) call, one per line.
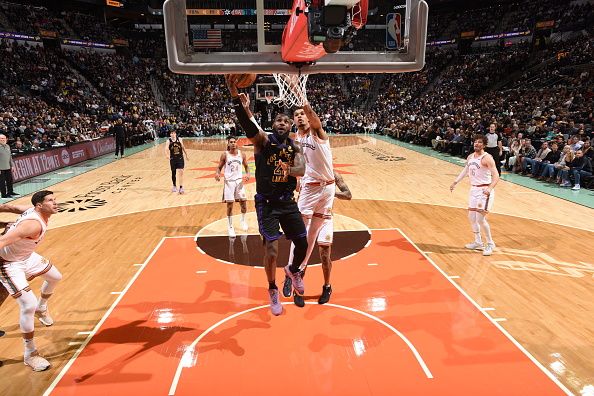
point(278, 161)
point(19, 264)
point(482, 172)
point(316, 196)
point(325, 239)
point(232, 160)
point(175, 151)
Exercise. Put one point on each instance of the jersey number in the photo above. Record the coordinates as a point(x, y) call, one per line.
point(279, 175)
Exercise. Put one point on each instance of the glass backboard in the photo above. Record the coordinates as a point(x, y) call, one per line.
point(241, 36)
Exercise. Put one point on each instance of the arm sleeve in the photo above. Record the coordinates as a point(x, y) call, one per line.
point(248, 124)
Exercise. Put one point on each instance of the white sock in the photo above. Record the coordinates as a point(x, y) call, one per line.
point(230, 220)
point(482, 220)
point(476, 229)
point(29, 346)
point(243, 217)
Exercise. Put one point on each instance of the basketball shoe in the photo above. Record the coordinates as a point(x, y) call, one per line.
point(297, 280)
point(326, 292)
point(44, 317)
point(36, 362)
point(489, 249)
point(275, 306)
point(474, 246)
point(287, 287)
point(298, 300)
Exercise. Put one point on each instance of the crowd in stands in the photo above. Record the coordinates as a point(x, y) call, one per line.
point(536, 111)
point(53, 97)
point(88, 27)
point(29, 19)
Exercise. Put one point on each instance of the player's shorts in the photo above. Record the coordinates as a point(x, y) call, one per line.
point(326, 233)
point(274, 215)
point(234, 191)
point(177, 163)
point(15, 275)
point(479, 201)
point(316, 199)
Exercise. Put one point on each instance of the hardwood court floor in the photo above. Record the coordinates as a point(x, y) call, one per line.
point(539, 282)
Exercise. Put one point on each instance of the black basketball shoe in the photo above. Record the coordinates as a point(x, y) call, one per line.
point(326, 292)
point(287, 287)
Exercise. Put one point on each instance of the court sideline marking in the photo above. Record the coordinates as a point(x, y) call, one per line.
point(495, 323)
point(70, 362)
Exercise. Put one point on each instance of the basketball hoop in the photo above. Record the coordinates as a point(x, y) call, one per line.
point(292, 89)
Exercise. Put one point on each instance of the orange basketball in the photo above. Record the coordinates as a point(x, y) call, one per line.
point(245, 80)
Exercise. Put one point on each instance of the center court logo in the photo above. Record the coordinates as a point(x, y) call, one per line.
point(65, 157)
point(382, 155)
point(80, 205)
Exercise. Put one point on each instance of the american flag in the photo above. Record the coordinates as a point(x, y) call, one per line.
point(210, 38)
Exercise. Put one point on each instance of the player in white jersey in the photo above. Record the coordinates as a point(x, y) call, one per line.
point(19, 264)
point(482, 172)
point(232, 160)
point(316, 195)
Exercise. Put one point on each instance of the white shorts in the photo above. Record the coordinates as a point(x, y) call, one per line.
point(479, 201)
point(316, 199)
point(326, 235)
point(15, 275)
point(234, 191)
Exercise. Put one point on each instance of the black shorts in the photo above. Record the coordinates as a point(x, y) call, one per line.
point(177, 163)
point(274, 215)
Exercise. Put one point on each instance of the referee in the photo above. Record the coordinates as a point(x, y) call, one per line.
point(494, 146)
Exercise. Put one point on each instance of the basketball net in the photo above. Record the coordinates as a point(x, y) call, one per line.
point(292, 89)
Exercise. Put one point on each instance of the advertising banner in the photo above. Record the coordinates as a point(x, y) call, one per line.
point(35, 164)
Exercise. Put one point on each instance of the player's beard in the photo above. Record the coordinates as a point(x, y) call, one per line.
point(280, 138)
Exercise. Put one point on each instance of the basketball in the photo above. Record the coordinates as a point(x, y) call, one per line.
point(245, 80)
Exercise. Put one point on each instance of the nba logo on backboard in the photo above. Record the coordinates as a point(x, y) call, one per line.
point(393, 31)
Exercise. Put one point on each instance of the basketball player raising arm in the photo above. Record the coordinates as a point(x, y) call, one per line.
point(482, 172)
point(316, 195)
point(315, 124)
point(279, 160)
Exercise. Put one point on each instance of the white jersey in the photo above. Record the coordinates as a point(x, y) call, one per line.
point(318, 159)
point(22, 249)
point(233, 165)
point(479, 174)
